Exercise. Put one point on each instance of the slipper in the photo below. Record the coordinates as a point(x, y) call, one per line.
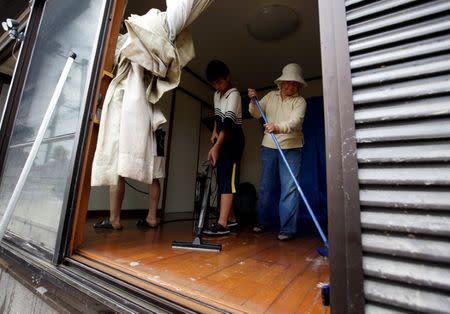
point(285, 237)
point(143, 224)
point(106, 224)
point(259, 229)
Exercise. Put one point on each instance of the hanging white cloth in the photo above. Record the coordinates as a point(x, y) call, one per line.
point(150, 65)
point(181, 13)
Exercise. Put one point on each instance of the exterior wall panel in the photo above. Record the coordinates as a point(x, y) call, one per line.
point(400, 52)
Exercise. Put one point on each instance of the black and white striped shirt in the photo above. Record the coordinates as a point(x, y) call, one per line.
point(228, 106)
point(228, 117)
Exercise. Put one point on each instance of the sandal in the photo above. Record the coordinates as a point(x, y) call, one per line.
point(106, 224)
point(143, 224)
point(285, 237)
point(259, 229)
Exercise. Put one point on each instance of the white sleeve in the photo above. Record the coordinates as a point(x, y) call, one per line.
point(234, 107)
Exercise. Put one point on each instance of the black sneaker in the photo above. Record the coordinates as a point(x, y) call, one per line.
point(232, 224)
point(217, 229)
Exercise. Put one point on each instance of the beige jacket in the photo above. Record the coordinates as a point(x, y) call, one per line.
point(288, 115)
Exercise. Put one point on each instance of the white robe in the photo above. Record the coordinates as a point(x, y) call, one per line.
point(150, 65)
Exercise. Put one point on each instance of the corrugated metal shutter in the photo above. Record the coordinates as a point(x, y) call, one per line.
point(400, 62)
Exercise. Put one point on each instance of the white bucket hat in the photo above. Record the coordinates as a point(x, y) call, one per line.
point(291, 72)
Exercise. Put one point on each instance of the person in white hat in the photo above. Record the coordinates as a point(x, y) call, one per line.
point(285, 110)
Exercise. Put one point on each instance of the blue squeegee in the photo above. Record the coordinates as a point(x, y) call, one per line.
point(322, 251)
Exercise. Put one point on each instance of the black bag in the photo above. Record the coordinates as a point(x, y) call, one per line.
point(245, 203)
point(160, 136)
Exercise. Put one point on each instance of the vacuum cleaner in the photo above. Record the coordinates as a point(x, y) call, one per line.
point(197, 244)
point(321, 250)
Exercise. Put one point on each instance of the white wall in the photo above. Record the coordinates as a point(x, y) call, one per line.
point(183, 155)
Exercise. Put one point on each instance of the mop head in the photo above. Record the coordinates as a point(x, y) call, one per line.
point(323, 251)
point(325, 287)
point(197, 246)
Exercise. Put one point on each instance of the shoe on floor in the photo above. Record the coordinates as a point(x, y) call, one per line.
point(259, 229)
point(217, 229)
point(143, 224)
point(285, 237)
point(232, 224)
point(106, 224)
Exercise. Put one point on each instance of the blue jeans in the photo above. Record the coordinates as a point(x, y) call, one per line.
point(274, 173)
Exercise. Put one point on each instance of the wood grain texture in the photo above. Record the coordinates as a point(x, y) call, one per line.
point(253, 273)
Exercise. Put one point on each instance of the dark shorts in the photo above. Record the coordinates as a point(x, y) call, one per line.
point(228, 168)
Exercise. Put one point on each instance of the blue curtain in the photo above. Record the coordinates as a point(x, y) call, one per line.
point(313, 171)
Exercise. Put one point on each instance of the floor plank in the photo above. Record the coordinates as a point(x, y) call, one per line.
point(253, 273)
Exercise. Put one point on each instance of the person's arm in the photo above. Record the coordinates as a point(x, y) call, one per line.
point(213, 153)
point(214, 134)
point(295, 119)
point(251, 106)
point(252, 109)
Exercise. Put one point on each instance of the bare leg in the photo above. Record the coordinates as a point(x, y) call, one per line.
point(154, 192)
point(226, 203)
point(116, 193)
point(231, 216)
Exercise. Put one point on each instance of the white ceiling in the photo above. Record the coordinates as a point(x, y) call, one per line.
point(221, 33)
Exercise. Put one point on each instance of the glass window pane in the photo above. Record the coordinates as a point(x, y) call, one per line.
point(4, 88)
point(37, 214)
point(66, 26)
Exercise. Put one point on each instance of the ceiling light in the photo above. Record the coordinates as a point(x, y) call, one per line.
point(273, 22)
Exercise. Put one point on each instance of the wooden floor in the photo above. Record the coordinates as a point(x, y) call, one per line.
point(253, 273)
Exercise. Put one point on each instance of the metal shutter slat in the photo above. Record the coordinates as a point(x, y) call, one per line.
point(410, 14)
point(405, 175)
point(400, 65)
point(405, 198)
point(417, 88)
point(408, 272)
point(426, 28)
point(410, 298)
point(371, 308)
point(399, 131)
point(422, 108)
point(433, 225)
point(436, 250)
point(396, 153)
point(351, 2)
point(401, 52)
point(375, 7)
point(406, 70)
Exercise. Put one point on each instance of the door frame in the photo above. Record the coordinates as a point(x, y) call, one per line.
point(344, 221)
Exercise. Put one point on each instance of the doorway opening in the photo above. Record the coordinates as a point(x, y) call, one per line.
point(254, 272)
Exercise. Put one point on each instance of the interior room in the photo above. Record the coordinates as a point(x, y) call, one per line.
point(253, 272)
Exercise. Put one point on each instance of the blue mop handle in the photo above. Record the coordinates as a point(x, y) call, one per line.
point(324, 238)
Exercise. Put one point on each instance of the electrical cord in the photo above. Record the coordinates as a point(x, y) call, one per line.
point(135, 188)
